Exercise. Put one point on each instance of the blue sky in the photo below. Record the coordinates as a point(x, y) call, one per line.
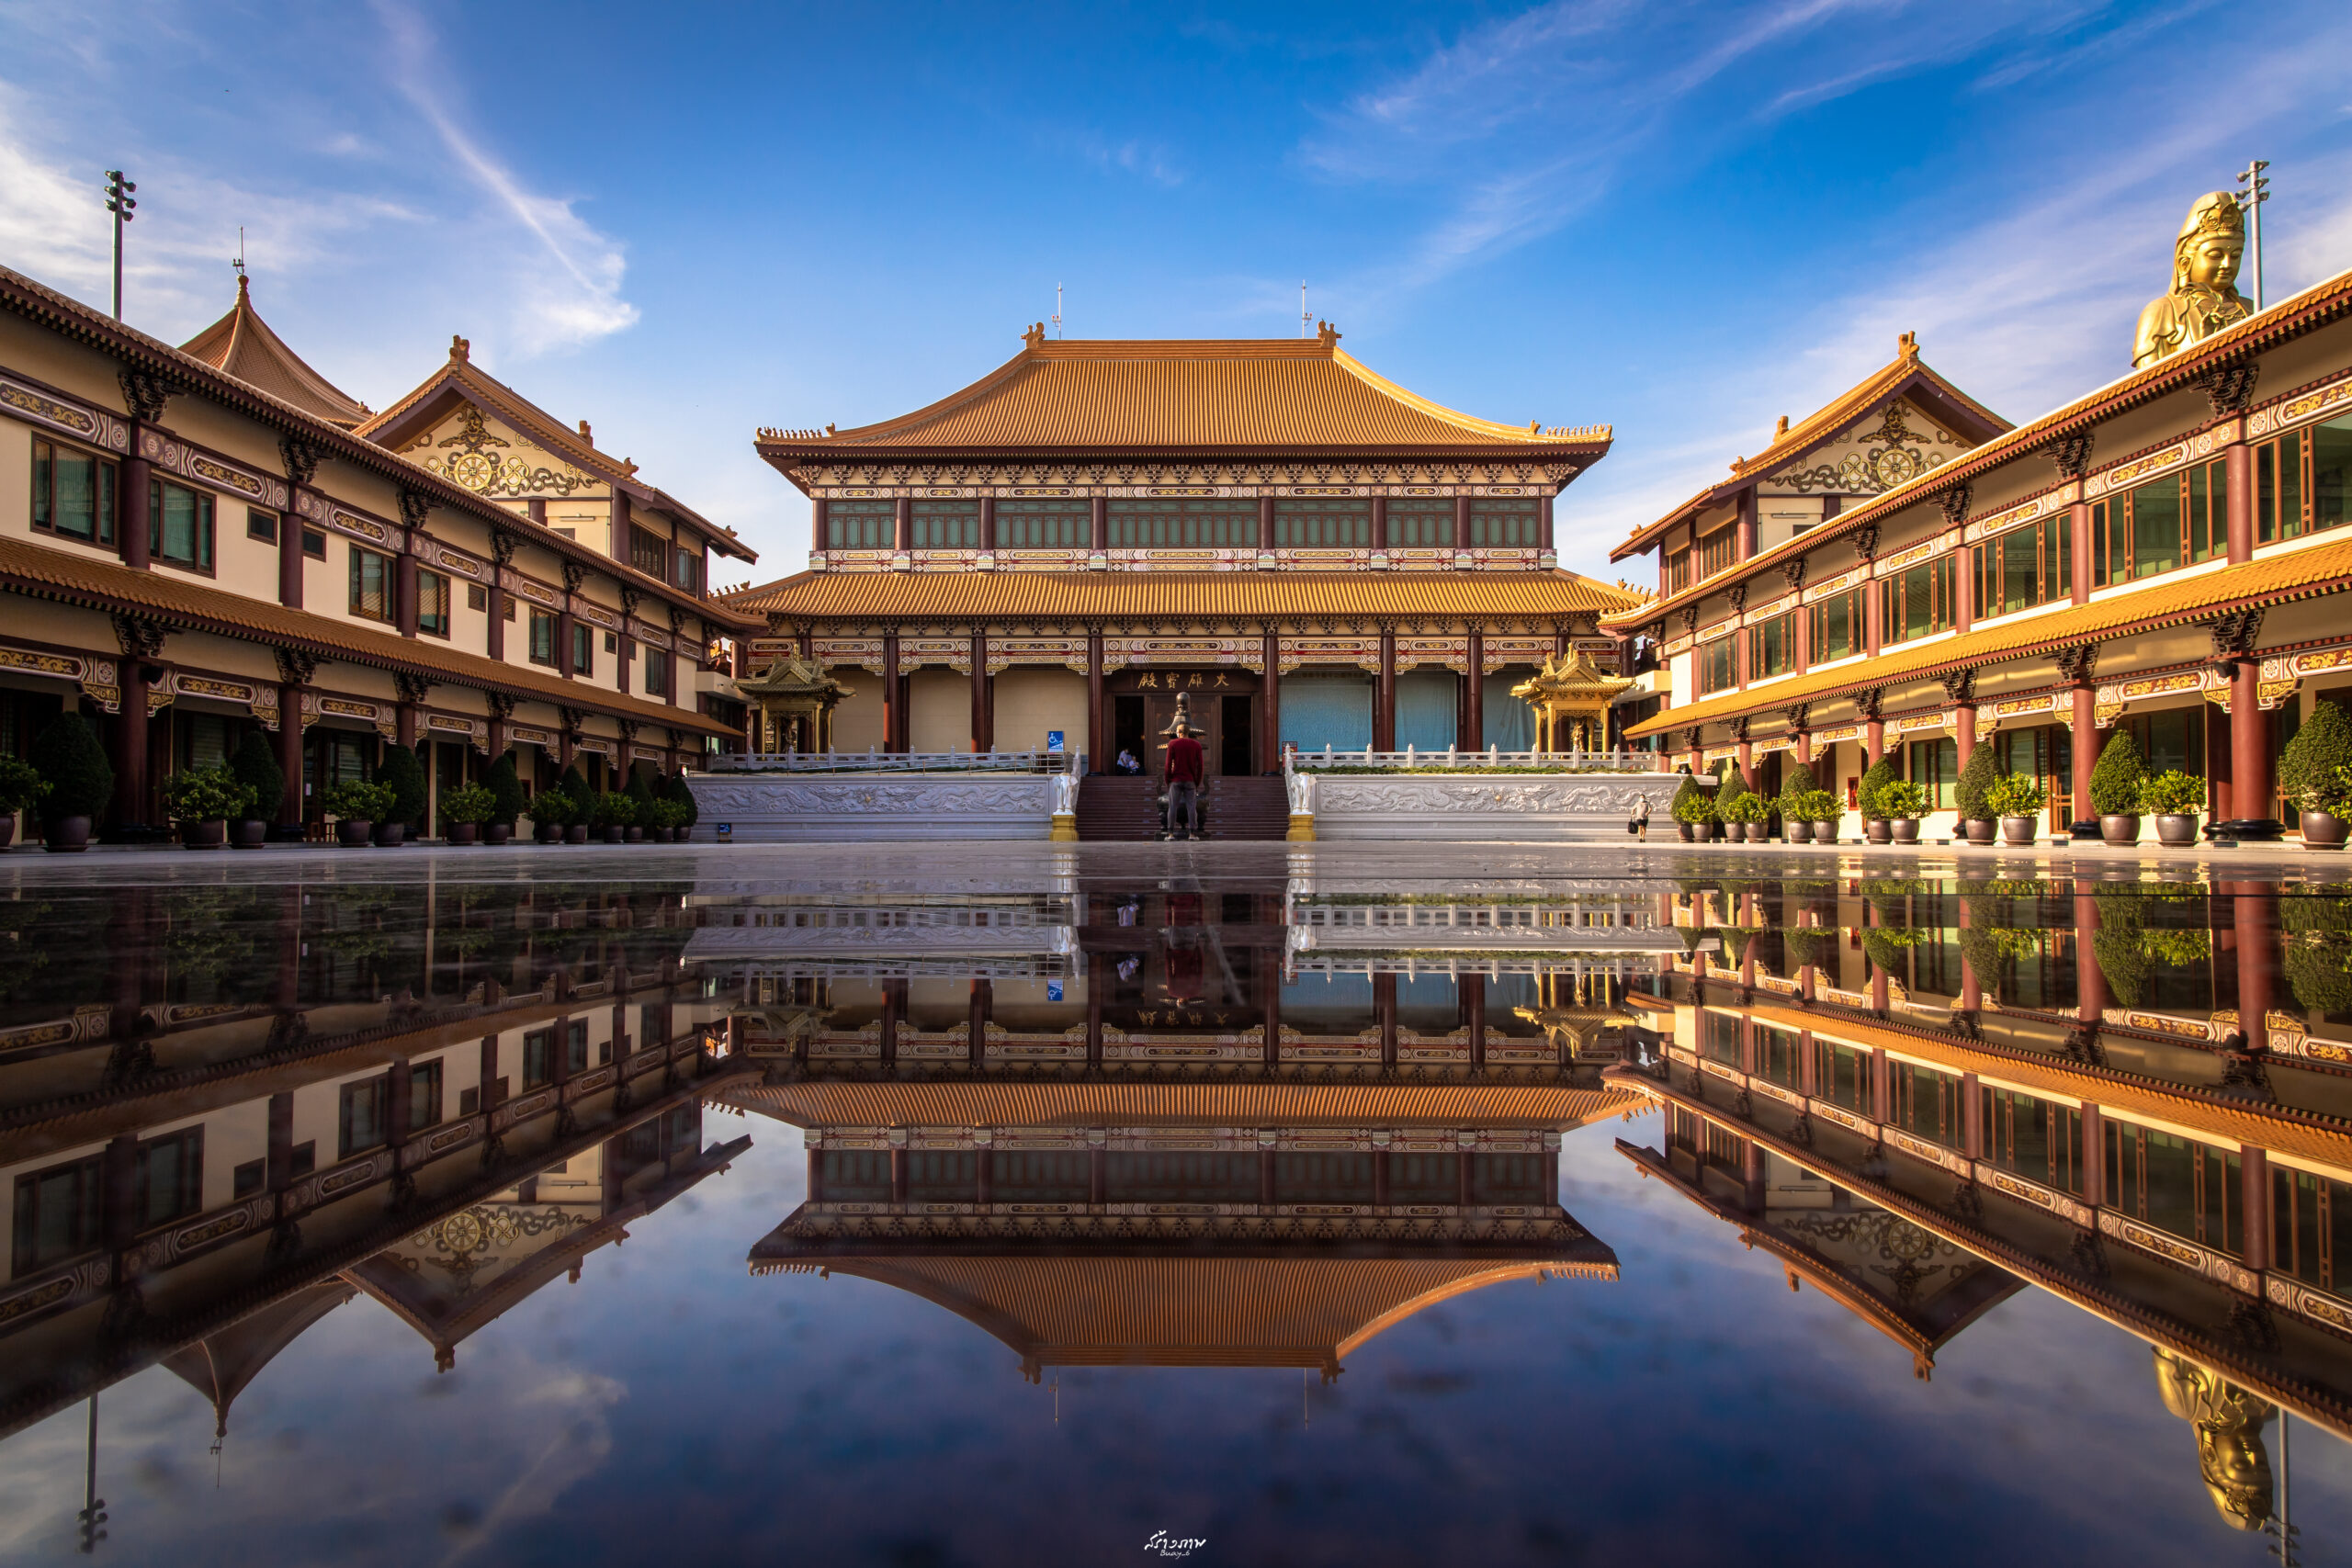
point(685, 223)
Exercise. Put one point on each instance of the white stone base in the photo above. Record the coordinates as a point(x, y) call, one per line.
point(1562, 808)
point(785, 808)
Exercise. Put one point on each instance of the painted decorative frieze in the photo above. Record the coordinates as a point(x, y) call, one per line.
point(832, 652)
point(1361, 652)
point(2029, 511)
point(94, 426)
point(1004, 652)
point(96, 674)
point(1501, 652)
point(215, 473)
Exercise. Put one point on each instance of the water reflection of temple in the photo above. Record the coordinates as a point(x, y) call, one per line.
point(1152, 1128)
point(1918, 1098)
point(229, 1110)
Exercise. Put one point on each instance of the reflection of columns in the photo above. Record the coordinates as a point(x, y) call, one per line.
point(1383, 1009)
point(816, 1173)
point(289, 750)
point(286, 994)
point(1971, 1116)
point(2090, 989)
point(1380, 1178)
point(1474, 1013)
point(984, 1187)
point(1474, 695)
point(2253, 918)
point(1383, 697)
point(1269, 704)
point(977, 1033)
point(898, 1174)
point(1270, 981)
point(1971, 984)
point(1751, 1174)
point(1095, 1021)
point(894, 1008)
point(1098, 1182)
point(2094, 1153)
point(1265, 1177)
point(1462, 1177)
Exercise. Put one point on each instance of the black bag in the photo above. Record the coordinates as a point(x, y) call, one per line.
point(1632, 824)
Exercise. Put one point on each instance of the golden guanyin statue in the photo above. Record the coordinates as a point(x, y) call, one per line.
point(2204, 297)
point(2229, 1422)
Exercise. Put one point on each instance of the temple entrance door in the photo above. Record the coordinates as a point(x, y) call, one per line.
point(1222, 704)
point(1238, 719)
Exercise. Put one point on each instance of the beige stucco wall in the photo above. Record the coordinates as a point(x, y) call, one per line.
point(1029, 702)
point(857, 722)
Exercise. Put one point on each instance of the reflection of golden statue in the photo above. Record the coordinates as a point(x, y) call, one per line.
point(2204, 297)
point(2229, 1423)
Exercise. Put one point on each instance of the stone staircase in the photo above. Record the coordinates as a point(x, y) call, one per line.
point(1245, 808)
point(1112, 808)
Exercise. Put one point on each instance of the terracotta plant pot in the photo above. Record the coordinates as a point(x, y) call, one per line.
point(2323, 831)
point(2176, 830)
point(497, 832)
point(577, 834)
point(1906, 830)
point(204, 835)
point(615, 834)
point(1799, 832)
point(464, 832)
point(355, 833)
point(390, 835)
point(1684, 831)
point(1980, 831)
point(249, 834)
point(2120, 829)
point(2018, 831)
point(1877, 832)
point(636, 836)
point(1826, 832)
point(7, 830)
point(548, 832)
point(66, 835)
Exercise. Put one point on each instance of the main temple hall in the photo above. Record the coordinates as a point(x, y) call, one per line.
point(1307, 552)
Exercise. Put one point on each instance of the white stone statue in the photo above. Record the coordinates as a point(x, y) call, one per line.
point(1065, 795)
point(1302, 794)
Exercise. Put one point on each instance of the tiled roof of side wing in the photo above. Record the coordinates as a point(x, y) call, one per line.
point(242, 344)
point(1249, 594)
point(958, 1104)
point(1182, 394)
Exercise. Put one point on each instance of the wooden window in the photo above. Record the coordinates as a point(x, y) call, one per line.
point(179, 525)
point(364, 1115)
point(1918, 602)
point(314, 544)
point(1053, 524)
point(1715, 550)
point(649, 552)
point(861, 524)
point(424, 1094)
point(2174, 1184)
point(260, 524)
point(1716, 671)
point(583, 649)
point(538, 1058)
point(432, 603)
point(1170, 524)
point(371, 585)
point(167, 1178)
point(1508, 522)
point(2041, 1140)
point(947, 525)
point(1841, 1075)
point(477, 598)
point(1420, 522)
point(2310, 1225)
point(686, 567)
point(1771, 647)
point(1934, 766)
point(542, 638)
point(657, 673)
point(1677, 572)
point(59, 1213)
point(1837, 626)
point(2162, 526)
point(74, 492)
point(575, 1046)
point(1925, 1101)
point(1323, 523)
point(2025, 567)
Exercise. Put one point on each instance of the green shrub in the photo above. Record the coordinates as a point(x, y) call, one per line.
point(469, 804)
point(1746, 807)
point(665, 814)
point(2014, 795)
point(613, 811)
point(1875, 778)
point(575, 783)
point(1730, 791)
point(1797, 783)
point(641, 793)
point(1804, 946)
point(2116, 777)
point(355, 800)
point(507, 789)
point(402, 772)
point(1901, 798)
point(20, 785)
point(205, 794)
point(69, 759)
point(2319, 971)
point(255, 762)
point(1884, 945)
point(2119, 947)
point(1694, 805)
point(678, 790)
point(2172, 792)
point(2307, 767)
point(1820, 806)
point(553, 807)
point(1976, 782)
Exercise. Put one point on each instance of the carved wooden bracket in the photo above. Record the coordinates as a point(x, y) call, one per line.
point(295, 667)
point(2233, 634)
point(1792, 573)
point(144, 393)
point(2079, 663)
point(1865, 541)
point(412, 688)
point(1960, 685)
point(416, 507)
point(2229, 386)
point(1796, 713)
point(1954, 504)
point(300, 457)
point(501, 704)
point(1738, 594)
point(1868, 702)
point(140, 636)
point(501, 547)
point(2072, 454)
point(574, 574)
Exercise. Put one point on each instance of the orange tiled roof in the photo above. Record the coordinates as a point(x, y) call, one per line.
point(1196, 1311)
point(2271, 579)
point(953, 1104)
point(196, 604)
point(1219, 595)
point(1906, 375)
point(1246, 394)
point(241, 344)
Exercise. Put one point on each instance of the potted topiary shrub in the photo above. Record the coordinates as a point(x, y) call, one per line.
point(2174, 799)
point(200, 801)
point(256, 764)
point(1876, 777)
point(1796, 823)
point(403, 774)
point(1748, 809)
point(2307, 774)
point(2017, 801)
point(1822, 814)
point(678, 790)
point(1728, 795)
point(81, 781)
point(574, 784)
point(1684, 808)
point(20, 790)
point(507, 790)
point(1968, 795)
point(551, 811)
point(613, 815)
point(356, 807)
point(640, 804)
point(1902, 802)
point(2115, 789)
point(465, 809)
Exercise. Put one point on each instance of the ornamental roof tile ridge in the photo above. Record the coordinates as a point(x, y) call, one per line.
point(206, 378)
point(1886, 384)
point(2307, 311)
point(2272, 580)
point(1052, 376)
point(94, 581)
point(242, 344)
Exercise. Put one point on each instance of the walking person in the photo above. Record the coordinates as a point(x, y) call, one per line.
point(1642, 819)
point(1184, 776)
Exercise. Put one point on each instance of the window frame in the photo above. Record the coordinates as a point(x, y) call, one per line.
point(206, 508)
point(2052, 574)
point(1937, 580)
point(1702, 667)
point(87, 1221)
point(427, 621)
point(360, 556)
point(261, 524)
point(106, 506)
point(531, 646)
point(348, 1098)
point(1856, 606)
point(877, 519)
point(1337, 516)
point(584, 648)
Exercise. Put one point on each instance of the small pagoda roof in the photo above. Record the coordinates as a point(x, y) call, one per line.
point(241, 344)
point(1570, 675)
point(1907, 378)
point(1180, 595)
point(221, 1366)
point(1238, 395)
point(793, 676)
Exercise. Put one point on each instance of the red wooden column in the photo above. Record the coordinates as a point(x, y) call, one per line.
point(983, 716)
point(894, 1008)
point(1964, 730)
point(1265, 525)
point(2093, 1166)
point(2090, 985)
point(1384, 1006)
point(2078, 525)
point(2085, 747)
point(1743, 542)
point(130, 806)
point(2239, 472)
point(2253, 794)
point(1474, 1014)
point(1383, 699)
point(1096, 733)
point(1474, 694)
point(1100, 524)
point(894, 697)
point(136, 525)
point(289, 548)
point(1462, 522)
point(404, 607)
point(1269, 649)
point(976, 1034)
point(987, 525)
point(902, 527)
point(290, 751)
point(1380, 523)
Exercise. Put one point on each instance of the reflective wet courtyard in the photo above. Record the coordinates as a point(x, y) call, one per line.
point(1238, 1203)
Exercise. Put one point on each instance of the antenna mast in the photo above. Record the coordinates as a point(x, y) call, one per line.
point(238, 261)
point(1057, 311)
point(1303, 317)
point(120, 203)
point(2257, 192)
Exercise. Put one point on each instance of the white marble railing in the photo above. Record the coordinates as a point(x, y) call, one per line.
point(872, 761)
point(1493, 757)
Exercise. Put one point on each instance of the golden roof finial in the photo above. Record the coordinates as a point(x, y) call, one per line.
point(1327, 335)
point(1781, 430)
point(583, 432)
point(460, 351)
point(1035, 336)
point(1906, 346)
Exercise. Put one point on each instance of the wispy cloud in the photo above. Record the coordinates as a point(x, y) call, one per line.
point(568, 289)
point(1146, 159)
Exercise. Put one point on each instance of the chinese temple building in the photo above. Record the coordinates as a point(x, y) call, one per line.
point(1903, 575)
point(1312, 553)
point(197, 542)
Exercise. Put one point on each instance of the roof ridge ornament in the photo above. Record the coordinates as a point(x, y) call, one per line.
point(462, 350)
point(1906, 346)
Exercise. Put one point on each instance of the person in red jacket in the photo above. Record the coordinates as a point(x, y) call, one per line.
point(1183, 780)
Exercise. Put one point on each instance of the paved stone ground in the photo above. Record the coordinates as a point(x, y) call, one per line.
point(1354, 866)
